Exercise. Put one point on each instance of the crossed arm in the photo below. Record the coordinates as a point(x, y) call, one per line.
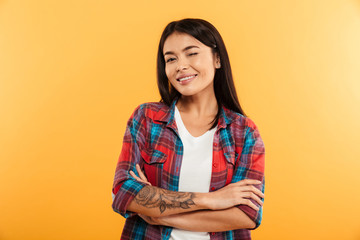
point(205, 212)
point(220, 210)
point(205, 220)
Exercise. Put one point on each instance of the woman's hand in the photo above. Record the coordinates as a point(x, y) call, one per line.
point(236, 193)
point(142, 177)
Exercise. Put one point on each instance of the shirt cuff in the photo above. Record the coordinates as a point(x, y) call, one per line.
point(126, 193)
point(254, 215)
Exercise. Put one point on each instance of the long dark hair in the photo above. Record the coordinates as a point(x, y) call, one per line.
point(206, 33)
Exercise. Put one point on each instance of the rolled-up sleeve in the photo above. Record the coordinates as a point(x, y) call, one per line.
point(125, 187)
point(250, 165)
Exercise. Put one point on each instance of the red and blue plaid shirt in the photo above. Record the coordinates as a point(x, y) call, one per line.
point(152, 140)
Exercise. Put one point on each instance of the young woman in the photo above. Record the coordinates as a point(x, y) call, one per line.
point(191, 165)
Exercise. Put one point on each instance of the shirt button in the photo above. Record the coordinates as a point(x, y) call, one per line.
point(213, 233)
point(215, 144)
point(215, 165)
point(212, 188)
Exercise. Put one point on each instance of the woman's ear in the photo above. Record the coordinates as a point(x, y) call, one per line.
point(217, 61)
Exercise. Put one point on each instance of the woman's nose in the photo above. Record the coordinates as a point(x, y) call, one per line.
point(181, 64)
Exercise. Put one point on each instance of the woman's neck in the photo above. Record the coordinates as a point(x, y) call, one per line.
point(204, 106)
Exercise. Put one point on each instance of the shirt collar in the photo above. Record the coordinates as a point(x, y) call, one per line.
point(167, 114)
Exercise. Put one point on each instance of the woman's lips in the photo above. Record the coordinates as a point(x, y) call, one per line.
point(182, 82)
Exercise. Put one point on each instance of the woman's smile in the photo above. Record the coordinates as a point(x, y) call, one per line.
point(187, 79)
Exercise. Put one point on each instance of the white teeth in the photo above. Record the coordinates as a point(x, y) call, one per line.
point(186, 78)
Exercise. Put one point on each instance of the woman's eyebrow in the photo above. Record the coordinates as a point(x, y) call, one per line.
point(187, 48)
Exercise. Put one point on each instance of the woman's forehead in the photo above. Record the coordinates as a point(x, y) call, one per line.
point(176, 42)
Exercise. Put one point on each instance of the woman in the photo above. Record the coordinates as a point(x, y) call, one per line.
point(191, 165)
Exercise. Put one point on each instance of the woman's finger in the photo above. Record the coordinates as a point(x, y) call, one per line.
point(141, 174)
point(139, 179)
point(248, 182)
point(249, 203)
point(134, 176)
point(253, 196)
point(251, 188)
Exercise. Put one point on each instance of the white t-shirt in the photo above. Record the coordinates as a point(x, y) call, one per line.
point(195, 171)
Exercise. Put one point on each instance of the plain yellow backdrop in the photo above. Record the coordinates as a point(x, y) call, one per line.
point(72, 72)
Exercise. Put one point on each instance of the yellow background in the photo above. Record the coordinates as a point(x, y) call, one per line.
point(72, 72)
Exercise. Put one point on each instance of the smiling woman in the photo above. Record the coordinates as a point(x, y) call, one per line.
point(191, 165)
point(190, 61)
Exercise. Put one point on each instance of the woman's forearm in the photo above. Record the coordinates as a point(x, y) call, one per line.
point(156, 202)
point(209, 220)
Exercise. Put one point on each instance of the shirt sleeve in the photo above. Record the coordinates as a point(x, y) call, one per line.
point(125, 187)
point(250, 165)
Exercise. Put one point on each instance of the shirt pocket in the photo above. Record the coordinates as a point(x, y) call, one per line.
point(153, 156)
point(231, 157)
point(153, 165)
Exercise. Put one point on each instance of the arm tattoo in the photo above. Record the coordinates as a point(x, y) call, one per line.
point(153, 197)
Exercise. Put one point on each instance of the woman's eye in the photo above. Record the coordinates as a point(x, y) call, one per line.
point(193, 54)
point(170, 59)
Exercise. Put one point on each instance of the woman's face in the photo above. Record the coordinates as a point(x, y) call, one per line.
point(189, 64)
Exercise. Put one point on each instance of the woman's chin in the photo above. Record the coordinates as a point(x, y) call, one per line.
point(187, 93)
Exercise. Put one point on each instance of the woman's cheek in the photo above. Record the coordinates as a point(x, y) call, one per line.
point(169, 71)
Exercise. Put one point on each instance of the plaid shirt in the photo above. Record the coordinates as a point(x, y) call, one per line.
point(152, 140)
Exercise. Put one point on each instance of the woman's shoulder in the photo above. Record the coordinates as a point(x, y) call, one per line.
point(241, 120)
point(150, 109)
